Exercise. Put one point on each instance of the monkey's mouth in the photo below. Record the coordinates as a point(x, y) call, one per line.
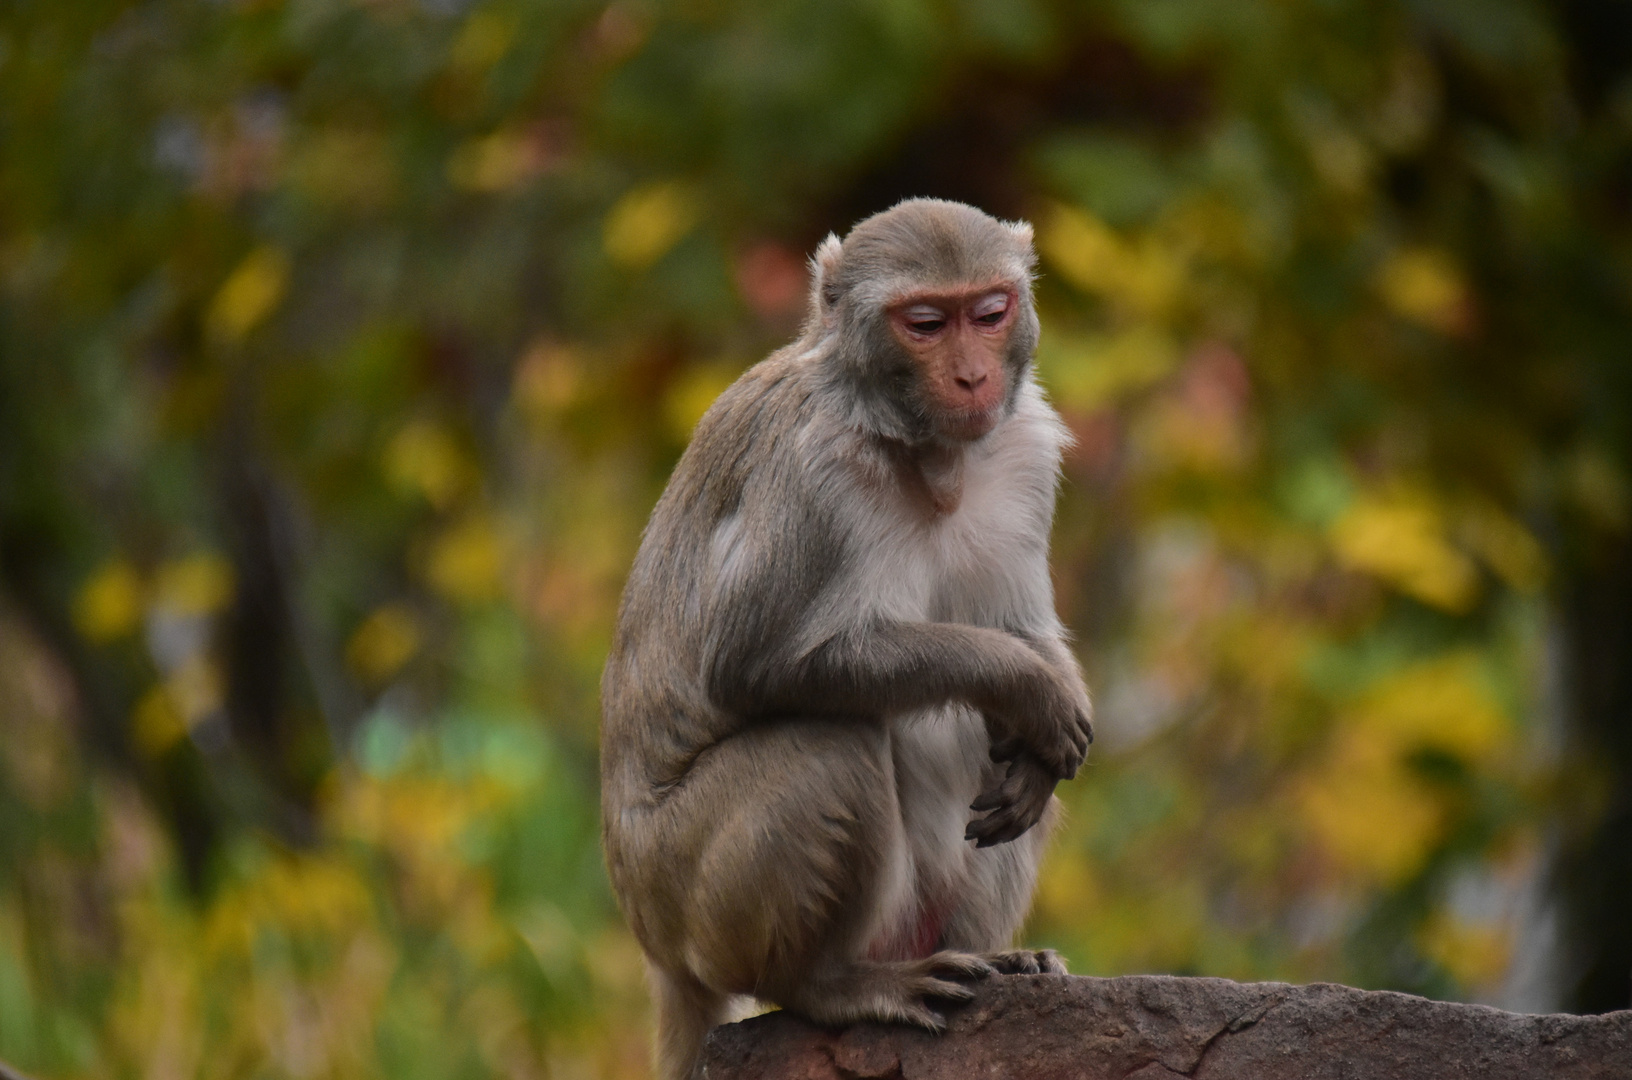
point(967, 425)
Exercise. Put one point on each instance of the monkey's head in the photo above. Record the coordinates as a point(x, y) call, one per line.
point(926, 311)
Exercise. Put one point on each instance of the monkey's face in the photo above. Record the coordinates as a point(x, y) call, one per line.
point(958, 342)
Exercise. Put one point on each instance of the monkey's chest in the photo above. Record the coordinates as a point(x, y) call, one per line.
point(985, 568)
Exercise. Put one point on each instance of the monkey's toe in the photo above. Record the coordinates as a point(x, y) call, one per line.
point(940, 989)
point(957, 965)
point(919, 1015)
point(1028, 962)
point(1016, 962)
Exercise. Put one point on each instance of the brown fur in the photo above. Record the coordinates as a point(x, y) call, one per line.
point(827, 592)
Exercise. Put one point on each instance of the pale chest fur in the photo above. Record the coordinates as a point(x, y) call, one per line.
point(983, 563)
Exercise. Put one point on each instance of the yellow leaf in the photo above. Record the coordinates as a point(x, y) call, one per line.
point(1445, 704)
point(1402, 540)
point(548, 380)
point(494, 163)
point(466, 561)
point(1067, 891)
point(424, 457)
point(385, 641)
point(199, 584)
point(1373, 819)
point(1425, 286)
point(195, 688)
point(1476, 956)
point(156, 723)
point(353, 168)
point(1600, 487)
point(483, 40)
point(647, 222)
point(1507, 547)
point(1089, 372)
point(109, 604)
point(689, 397)
point(249, 295)
point(1144, 275)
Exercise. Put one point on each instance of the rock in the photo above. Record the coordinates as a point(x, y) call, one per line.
point(1153, 1027)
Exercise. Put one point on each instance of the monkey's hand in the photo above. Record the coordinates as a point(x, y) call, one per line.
point(1016, 803)
point(1053, 721)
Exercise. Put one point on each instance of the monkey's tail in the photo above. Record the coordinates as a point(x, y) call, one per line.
point(686, 1009)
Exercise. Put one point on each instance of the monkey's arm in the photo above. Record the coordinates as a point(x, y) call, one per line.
point(888, 666)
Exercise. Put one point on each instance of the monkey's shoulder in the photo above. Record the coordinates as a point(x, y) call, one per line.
point(750, 436)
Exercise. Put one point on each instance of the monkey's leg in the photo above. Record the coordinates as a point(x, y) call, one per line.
point(845, 990)
point(799, 842)
point(686, 1009)
point(996, 897)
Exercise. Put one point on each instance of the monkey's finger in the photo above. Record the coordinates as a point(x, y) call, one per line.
point(989, 800)
point(998, 827)
point(1029, 802)
point(1009, 832)
point(1011, 826)
point(1004, 794)
point(1006, 790)
point(1015, 800)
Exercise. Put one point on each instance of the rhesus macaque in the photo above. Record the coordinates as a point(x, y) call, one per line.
point(839, 697)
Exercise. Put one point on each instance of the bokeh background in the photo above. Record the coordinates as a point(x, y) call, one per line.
point(346, 344)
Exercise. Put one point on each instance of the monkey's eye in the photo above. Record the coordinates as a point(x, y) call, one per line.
point(991, 309)
point(924, 320)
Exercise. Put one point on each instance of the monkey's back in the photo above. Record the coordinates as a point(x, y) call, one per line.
point(656, 710)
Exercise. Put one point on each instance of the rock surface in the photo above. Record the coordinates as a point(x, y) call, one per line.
point(1150, 1027)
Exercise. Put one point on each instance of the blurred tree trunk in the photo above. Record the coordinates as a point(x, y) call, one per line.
point(1593, 876)
point(1595, 871)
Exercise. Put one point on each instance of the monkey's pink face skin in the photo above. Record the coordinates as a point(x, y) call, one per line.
point(960, 342)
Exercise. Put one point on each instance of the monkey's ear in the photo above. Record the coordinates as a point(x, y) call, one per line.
point(824, 278)
point(1021, 231)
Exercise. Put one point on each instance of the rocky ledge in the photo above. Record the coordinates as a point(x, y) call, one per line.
point(1152, 1027)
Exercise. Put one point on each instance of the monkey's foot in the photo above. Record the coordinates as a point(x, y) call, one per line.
point(1026, 962)
point(897, 991)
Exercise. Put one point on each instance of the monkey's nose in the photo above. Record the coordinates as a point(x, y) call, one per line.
point(971, 382)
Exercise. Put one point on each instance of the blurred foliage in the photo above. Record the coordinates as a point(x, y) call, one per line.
point(345, 345)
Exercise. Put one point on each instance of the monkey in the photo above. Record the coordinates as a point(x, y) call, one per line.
point(839, 698)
